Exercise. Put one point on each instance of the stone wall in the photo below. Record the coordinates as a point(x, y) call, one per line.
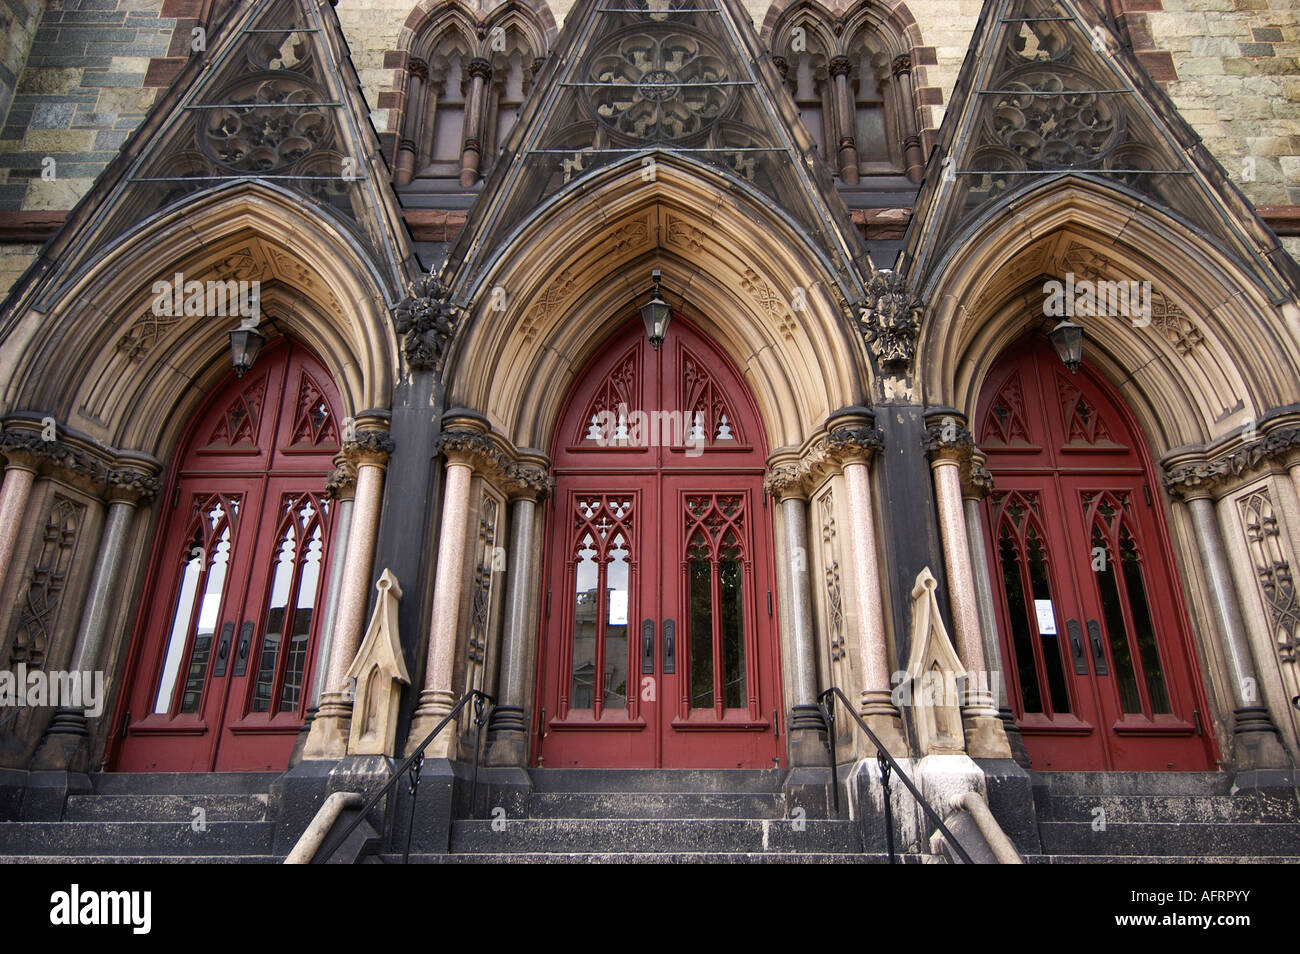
point(17, 26)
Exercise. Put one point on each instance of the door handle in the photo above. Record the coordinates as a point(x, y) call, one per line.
point(670, 655)
point(223, 649)
point(647, 646)
point(1077, 652)
point(245, 644)
point(1098, 653)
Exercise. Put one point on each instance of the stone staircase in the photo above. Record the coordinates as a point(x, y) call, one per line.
point(1162, 818)
point(150, 818)
point(587, 816)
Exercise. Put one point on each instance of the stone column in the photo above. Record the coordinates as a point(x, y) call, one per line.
point(480, 71)
point(840, 66)
point(976, 484)
point(418, 75)
point(461, 443)
point(65, 746)
point(20, 476)
point(913, 155)
point(806, 728)
point(949, 445)
point(342, 487)
point(508, 728)
point(854, 441)
point(368, 452)
point(1255, 743)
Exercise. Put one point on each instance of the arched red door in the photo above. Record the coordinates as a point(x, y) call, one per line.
point(224, 647)
point(658, 634)
point(1096, 645)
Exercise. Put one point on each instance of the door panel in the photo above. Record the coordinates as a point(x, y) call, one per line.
point(1076, 543)
point(225, 638)
point(660, 454)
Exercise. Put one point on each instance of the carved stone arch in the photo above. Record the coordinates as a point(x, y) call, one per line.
point(130, 378)
point(813, 16)
point(579, 270)
point(1216, 352)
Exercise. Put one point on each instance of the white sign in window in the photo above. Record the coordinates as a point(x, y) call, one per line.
point(1046, 618)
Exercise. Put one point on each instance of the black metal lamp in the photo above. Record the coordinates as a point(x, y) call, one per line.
point(656, 315)
point(245, 344)
point(1067, 339)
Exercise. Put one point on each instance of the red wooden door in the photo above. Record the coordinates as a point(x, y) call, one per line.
point(658, 641)
point(1096, 645)
point(224, 646)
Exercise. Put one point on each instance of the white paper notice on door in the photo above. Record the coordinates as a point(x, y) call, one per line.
point(1046, 618)
point(618, 607)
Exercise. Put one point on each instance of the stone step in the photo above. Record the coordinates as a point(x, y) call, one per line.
point(649, 858)
point(141, 859)
point(550, 835)
point(1162, 859)
point(1171, 838)
point(665, 805)
point(1135, 783)
point(83, 838)
point(664, 781)
point(183, 783)
point(173, 808)
point(1207, 809)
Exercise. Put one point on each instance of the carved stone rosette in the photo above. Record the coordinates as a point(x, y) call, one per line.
point(78, 461)
point(1200, 475)
point(890, 320)
point(427, 319)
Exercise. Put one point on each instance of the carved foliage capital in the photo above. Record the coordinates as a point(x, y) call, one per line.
point(368, 443)
point(1186, 479)
point(485, 455)
point(77, 463)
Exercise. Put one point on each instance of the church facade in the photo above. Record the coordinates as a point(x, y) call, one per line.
point(606, 385)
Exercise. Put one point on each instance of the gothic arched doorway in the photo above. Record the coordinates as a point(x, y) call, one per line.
point(225, 643)
point(658, 634)
point(1096, 646)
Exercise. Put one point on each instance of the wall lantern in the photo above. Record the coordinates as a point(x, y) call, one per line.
point(656, 315)
point(245, 344)
point(1067, 339)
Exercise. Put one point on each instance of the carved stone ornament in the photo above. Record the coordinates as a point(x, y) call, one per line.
point(369, 441)
point(891, 319)
point(74, 462)
point(343, 478)
point(428, 320)
point(497, 464)
point(948, 440)
point(1201, 474)
point(823, 455)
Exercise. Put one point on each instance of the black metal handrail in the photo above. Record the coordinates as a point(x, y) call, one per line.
point(411, 767)
point(826, 702)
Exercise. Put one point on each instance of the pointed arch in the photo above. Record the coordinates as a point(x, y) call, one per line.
point(1215, 351)
point(130, 377)
point(730, 264)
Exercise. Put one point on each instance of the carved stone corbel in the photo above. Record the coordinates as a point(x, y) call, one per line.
point(427, 320)
point(890, 320)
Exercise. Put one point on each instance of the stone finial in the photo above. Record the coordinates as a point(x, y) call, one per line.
point(427, 319)
point(935, 675)
point(377, 670)
point(890, 320)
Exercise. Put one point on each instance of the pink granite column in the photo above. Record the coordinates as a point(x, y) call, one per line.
point(437, 698)
point(328, 737)
point(19, 478)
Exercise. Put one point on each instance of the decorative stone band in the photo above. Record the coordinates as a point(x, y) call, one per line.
point(96, 468)
point(427, 320)
point(820, 456)
point(1198, 475)
point(498, 463)
point(890, 320)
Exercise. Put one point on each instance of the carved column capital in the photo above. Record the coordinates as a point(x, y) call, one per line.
point(538, 63)
point(840, 66)
point(902, 64)
point(479, 68)
point(342, 483)
point(782, 66)
point(368, 446)
point(418, 68)
point(79, 460)
point(946, 438)
point(1201, 472)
